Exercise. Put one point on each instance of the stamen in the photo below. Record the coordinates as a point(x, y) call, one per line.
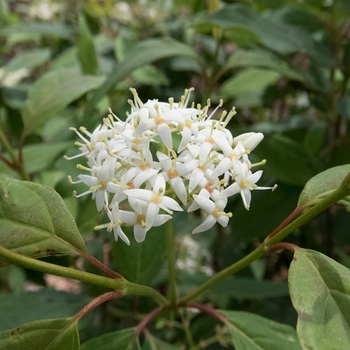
point(138, 102)
point(217, 107)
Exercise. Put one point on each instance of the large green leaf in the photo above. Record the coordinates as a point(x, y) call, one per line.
point(249, 80)
point(253, 332)
point(323, 184)
point(24, 307)
point(142, 53)
point(278, 36)
point(320, 292)
point(42, 335)
point(288, 160)
point(28, 59)
point(86, 49)
point(138, 262)
point(122, 339)
point(53, 92)
point(259, 58)
point(34, 220)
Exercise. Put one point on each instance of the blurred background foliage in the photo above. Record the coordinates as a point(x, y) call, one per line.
point(284, 64)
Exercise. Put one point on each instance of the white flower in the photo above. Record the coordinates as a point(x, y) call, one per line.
point(114, 224)
point(245, 182)
point(155, 199)
point(208, 167)
point(138, 220)
point(215, 211)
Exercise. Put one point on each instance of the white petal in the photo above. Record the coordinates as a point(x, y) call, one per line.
point(204, 151)
point(223, 166)
point(223, 220)
point(246, 197)
point(179, 188)
point(169, 203)
point(151, 215)
point(118, 232)
point(100, 200)
point(128, 217)
point(196, 176)
point(206, 204)
point(208, 223)
point(159, 184)
point(165, 135)
point(253, 178)
point(161, 219)
point(186, 136)
point(139, 233)
point(89, 180)
point(138, 193)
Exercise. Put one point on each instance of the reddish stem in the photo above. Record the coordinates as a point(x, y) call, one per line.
point(7, 162)
point(293, 215)
point(210, 311)
point(280, 246)
point(100, 265)
point(96, 302)
point(148, 318)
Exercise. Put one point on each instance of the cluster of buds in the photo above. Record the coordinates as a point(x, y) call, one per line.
point(165, 157)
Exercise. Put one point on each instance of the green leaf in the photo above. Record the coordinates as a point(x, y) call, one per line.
point(249, 80)
point(53, 92)
point(138, 261)
point(320, 292)
point(35, 221)
point(323, 184)
point(279, 37)
point(86, 49)
point(24, 307)
point(44, 29)
point(288, 160)
point(154, 343)
point(150, 75)
point(28, 59)
point(259, 58)
point(122, 339)
point(42, 335)
point(250, 332)
point(142, 53)
point(37, 157)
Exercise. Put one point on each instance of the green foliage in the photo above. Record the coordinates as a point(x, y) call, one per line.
point(320, 291)
point(45, 334)
point(35, 221)
point(254, 332)
point(286, 68)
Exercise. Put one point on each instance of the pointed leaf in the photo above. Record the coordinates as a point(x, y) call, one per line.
point(53, 92)
point(259, 58)
point(249, 80)
point(142, 53)
point(122, 339)
point(320, 292)
point(42, 335)
point(86, 49)
point(43, 304)
point(321, 185)
point(35, 222)
point(250, 332)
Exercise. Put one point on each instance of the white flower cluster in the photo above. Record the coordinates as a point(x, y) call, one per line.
point(206, 167)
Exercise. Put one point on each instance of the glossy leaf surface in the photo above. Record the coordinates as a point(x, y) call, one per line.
point(320, 291)
point(34, 220)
